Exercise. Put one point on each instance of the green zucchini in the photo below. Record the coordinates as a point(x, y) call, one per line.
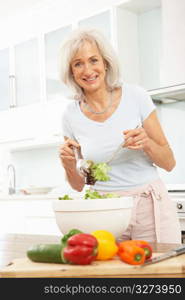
point(48, 253)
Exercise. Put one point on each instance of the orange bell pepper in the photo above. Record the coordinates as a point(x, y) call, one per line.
point(146, 246)
point(130, 253)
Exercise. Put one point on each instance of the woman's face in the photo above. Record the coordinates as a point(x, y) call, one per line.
point(88, 68)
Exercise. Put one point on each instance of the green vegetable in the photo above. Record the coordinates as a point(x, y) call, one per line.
point(65, 197)
point(94, 195)
point(111, 195)
point(99, 171)
point(69, 234)
point(48, 253)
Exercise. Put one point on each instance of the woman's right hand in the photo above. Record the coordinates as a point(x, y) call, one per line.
point(66, 153)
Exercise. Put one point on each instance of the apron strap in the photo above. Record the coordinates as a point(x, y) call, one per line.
point(156, 198)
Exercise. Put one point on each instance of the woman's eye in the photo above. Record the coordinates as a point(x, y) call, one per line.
point(77, 64)
point(94, 60)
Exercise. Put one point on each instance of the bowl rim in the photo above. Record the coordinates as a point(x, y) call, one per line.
point(93, 204)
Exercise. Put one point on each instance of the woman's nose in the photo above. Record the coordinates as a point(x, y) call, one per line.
point(87, 69)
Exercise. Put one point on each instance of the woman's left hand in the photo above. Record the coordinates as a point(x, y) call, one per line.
point(135, 139)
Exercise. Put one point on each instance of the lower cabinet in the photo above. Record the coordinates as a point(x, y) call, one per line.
point(28, 217)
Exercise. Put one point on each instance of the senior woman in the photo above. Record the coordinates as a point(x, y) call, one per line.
point(104, 113)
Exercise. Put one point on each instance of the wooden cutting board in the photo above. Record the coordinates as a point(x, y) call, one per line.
point(23, 267)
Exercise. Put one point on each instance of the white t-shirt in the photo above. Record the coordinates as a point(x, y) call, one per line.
point(98, 140)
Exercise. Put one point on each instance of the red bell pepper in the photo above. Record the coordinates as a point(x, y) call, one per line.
point(80, 249)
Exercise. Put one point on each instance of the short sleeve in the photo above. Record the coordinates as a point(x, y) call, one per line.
point(66, 128)
point(146, 105)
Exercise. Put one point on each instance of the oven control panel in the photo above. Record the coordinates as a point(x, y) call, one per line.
point(180, 206)
point(179, 199)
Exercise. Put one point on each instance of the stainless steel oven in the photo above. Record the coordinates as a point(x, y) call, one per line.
point(179, 198)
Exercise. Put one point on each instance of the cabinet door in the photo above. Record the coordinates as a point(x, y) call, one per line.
point(100, 22)
point(27, 73)
point(4, 80)
point(54, 88)
point(139, 42)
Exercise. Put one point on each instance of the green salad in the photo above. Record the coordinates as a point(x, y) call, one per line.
point(99, 171)
point(65, 197)
point(94, 195)
point(91, 195)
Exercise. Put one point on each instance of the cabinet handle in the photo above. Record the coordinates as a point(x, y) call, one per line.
point(13, 102)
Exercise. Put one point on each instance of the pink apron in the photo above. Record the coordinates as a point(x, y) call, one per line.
point(154, 217)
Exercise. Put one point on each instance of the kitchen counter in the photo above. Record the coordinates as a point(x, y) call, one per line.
point(29, 197)
point(14, 262)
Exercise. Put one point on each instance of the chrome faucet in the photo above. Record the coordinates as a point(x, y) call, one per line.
point(11, 179)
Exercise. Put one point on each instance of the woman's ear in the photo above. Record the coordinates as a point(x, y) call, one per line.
point(106, 66)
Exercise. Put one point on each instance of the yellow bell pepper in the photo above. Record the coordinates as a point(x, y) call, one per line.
point(107, 247)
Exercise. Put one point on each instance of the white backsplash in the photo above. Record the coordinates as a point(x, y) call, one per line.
point(38, 167)
point(172, 117)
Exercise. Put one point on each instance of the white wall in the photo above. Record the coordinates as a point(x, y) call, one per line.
point(39, 167)
point(172, 117)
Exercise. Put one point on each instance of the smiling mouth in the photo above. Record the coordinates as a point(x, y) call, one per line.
point(91, 79)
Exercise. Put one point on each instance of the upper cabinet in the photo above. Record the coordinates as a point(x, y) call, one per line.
point(139, 41)
point(53, 40)
point(173, 42)
point(147, 35)
point(27, 73)
point(4, 80)
point(150, 42)
point(100, 21)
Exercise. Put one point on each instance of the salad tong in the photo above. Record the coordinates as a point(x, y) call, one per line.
point(83, 166)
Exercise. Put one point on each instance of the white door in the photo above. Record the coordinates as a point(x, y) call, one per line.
point(27, 78)
point(4, 80)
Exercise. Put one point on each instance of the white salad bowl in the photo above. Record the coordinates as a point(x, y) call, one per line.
point(88, 215)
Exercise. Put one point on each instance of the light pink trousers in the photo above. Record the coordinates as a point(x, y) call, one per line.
point(154, 216)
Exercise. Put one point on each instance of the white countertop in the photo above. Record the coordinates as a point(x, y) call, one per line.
point(52, 196)
point(29, 197)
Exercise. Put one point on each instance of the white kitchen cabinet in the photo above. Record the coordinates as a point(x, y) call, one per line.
point(53, 40)
point(101, 21)
point(135, 27)
point(27, 217)
point(173, 27)
point(12, 216)
point(139, 41)
point(27, 76)
point(4, 80)
point(150, 42)
point(39, 218)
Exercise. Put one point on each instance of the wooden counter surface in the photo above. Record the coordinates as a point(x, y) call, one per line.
point(14, 263)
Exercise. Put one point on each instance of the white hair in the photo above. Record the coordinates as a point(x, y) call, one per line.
point(69, 48)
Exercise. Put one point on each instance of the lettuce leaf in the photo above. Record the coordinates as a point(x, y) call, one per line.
point(65, 197)
point(94, 195)
point(99, 171)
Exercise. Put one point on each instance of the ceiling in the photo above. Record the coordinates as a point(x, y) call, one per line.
point(11, 7)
